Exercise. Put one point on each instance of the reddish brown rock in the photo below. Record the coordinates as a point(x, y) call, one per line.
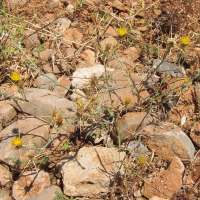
point(109, 42)
point(157, 11)
point(118, 5)
point(123, 88)
point(69, 53)
point(88, 58)
point(64, 80)
point(72, 35)
point(143, 28)
point(168, 140)
point(128, 56)
point(35, 182)
point(110, 32)
point(166, 183)
point(195, 134)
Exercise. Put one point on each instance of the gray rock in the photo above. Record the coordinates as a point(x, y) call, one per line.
point(137, 148)
point(48, 193)
point(90, 171)
point(168, 140)
point(44, 82)
point(175, 71)
point(44, 104)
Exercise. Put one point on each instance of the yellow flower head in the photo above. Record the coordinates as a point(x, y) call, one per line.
point(185, 40)
point(142, 160)
point(15, 76)
point(127, 100)
point(80, 102)
point(17, 142)
point(122, 31)
point(59, 119)
point(186, 80)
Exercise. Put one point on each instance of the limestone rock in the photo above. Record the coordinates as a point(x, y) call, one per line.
point(168, 140)
point(166, 183)
point(48, 193)
point(46, 103)
point(31, 181)
point(82, 76)
point(5, 194)
point(90, 171)
point(30, 130)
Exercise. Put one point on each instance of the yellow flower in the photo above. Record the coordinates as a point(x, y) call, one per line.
point(59, 119)
point(122, 31)
point(17, 142)
point(185, 40)
point(15, 76)
point(142, 160)
point(80, 102)
point(127, 100)
point(186, 80)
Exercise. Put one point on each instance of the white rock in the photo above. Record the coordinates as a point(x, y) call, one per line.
point(82, 76)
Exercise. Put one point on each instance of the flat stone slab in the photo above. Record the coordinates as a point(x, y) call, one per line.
point(43, 103)
point(90, 171)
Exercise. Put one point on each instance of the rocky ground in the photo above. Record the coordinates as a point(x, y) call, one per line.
point(99, 99)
